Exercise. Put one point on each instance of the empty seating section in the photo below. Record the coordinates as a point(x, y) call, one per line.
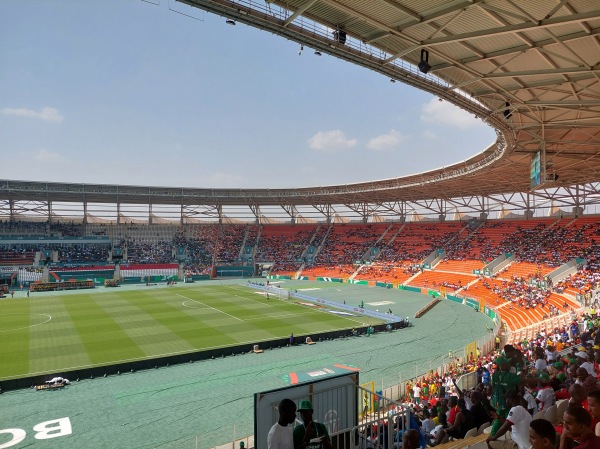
point(390, 273)
point(460, 266)
point(338, 271)
point(525, 270)
point(436, 280)
point(15, 256)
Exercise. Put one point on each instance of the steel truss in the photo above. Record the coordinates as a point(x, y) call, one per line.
point(571, 200)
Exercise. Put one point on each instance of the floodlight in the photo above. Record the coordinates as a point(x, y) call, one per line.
point(424, 66)
point(230, 22)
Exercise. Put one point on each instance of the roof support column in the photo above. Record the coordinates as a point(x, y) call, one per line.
point(528, 209)
point(149, 213)
point(483, 211)
point(578, 209)
point(255, 208)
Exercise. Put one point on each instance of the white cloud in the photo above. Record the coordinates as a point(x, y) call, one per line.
point(47, 114)
point(429, 134)
point(444, 112)
point(45, 156)
point(385, 142)
point(331, 141)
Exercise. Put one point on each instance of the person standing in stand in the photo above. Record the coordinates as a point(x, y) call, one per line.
point(310, 435)
point(280, 435)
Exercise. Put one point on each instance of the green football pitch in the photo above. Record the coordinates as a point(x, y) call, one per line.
point(61, 332)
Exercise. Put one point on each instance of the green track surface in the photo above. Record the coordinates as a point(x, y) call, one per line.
point(210, 401)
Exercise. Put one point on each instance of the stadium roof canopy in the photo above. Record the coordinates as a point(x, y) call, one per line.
point(530, 69)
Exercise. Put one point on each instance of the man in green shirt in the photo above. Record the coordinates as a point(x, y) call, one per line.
point(310, 435)
point(502, 382)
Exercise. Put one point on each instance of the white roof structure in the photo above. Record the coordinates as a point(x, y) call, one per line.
point(528, 68)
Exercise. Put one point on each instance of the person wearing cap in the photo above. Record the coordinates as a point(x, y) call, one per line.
point(503, 381)
point(545, 397)
point(280, 435)
point(561, 373)
point(310, 434)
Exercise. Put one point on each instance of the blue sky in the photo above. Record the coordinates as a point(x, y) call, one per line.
point(124, 91)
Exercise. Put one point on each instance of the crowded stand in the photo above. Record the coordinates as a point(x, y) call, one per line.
point(229, 244)
point(160, 252)
point(348, 243)
point(284, 245)
point(418, 240)
point(540, 392)
point(82, 253)
point(381, 252)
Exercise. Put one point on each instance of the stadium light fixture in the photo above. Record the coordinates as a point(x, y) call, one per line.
point(392, 80)
point(317, 52)
point(507, 112)
point(424, 66)
point(230, 22)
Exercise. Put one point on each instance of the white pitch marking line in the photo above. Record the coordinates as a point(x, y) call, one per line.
point(195, 308)
point(31, 325)
point(239, 319)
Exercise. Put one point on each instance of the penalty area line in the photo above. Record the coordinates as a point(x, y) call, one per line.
point(210, 307)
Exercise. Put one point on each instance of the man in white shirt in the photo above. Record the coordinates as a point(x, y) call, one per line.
point(551, 354)
point(517, 422)
point(587, 364)
point(280, 435)
point(545, 397)
point(417, 394)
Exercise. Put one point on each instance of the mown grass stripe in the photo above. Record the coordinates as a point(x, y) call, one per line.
point(104, 340)
point(55, 344)
point(15, 326)
point(94, 329)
